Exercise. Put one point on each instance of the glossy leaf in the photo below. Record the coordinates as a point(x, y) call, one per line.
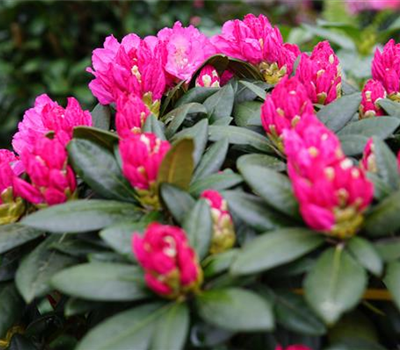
point(219, 181)
point(153, 125)
point(260, 92)
point(101, 116)
point(247, 113)
point(381, 127)
point(386, 163)
point(366, 255)
point(392, 281)
point(178, 202)
point(100, 137)
point(197, 94)
point(220, 104)
point(11, 307)
point(14, 235)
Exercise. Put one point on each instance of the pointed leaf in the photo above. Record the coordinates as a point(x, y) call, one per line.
point(11, 307)
point(248, 113)
point(154, 126)
point(197, 94)
point(392, 281)
point(100, 137)
point(101, 116)
point(366, 255)
point(381, 127)
point(14, 235)
point(386, 163)
point(220, 104)
point(260, 92)
point(219, 181)
point(178, 202)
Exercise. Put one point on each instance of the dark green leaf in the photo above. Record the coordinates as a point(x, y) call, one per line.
point(217, 263)
point(244, 70)
point(101, 116)
point(11, 307)
point(386, 163)
point(100, 170)
point(219, 181)
point(198, 225)
point(212, 160)
point(388, 249)
point(101, 282)
point(261, 160)
point(353, 145)
point(381, 127)
point(247, 113)
point(79, 306)
point(100, 137)
point(178, 202)
point(260, 92)
point(172, 329)
point(197, 94)
point(274, 249)
point(14, 235)
point(355, 344)
point(335, 284)
point(381, 188)
point(366, 254)
point(240, 136)
point(392, 281)
point(339, 38)
point(220, 104)
point(391, 107)
point(81, 216)
point(154, 126)
point(36, 270)
point(339, 112)
point(235, 309)
point(225, 121)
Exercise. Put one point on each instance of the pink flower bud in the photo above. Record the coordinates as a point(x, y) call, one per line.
point(170, 264)
point(293, 347)
point(377, 5)
point(368, 161)
point(224, 233)
point(47, 116)
point(131, 114)
point(52, 180)
point(254, 40)
point(208, 77)
point(386, 68)
point(284, 107)
point(141, 156)
point(320, 74)
point(372, 92)
point(186, 50)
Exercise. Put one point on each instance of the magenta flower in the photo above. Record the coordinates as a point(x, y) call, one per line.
point(132, 66)
point(386, 68)
point(284, 107)
point(254, 40)
point(186, 50)
point(368, 161)
point(11, 204)
point(377, 5)
point(223, 231)
point(293, 347)
point(141, 156)
point(52, 180)
point(208, 77)
point(372, 92)
point(47, 116)
point(170, 264)
point(131, 114)
point(320, 74)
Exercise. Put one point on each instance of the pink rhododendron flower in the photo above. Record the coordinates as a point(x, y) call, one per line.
point(11, 205)
point(131, 114)
point(208, 77)
point(170, 264)
point(310, 146)
point(356, 6)
point(293, 347)
point(372, 92)
point(284, 107)
point(320, 74)
point(386, 68)
point(52, 179)
point(186, 50)
point(254, 40)
point(132, 66)
point(47, 116)
point(224, 233)
point(368, 161)
point(141, 156)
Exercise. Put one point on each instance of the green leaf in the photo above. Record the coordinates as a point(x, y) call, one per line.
point(235, 309)
point(381, 188)
point(217, 263)
point(102, 282)
point(11, 307)
point(293, 313)
point(240, 136)
point(219, 181)
point(177, 166)
point(260, 92)
point(353, 145)
point(199, 134)
point(153, 125)
point(388, 249)
point(392, 281)
point(220, 104)
point(132, 329)
point(225, 121)
point(391, 107)
point(248, 113)
point(386, 163)
point(335, 284)
point(198, 226)
point(36, 270)
point(274, 249)
point(384, 218)
point(339, 112)
point(14, 235)
point(381, 127)
point(100, 137)
point(274, 188)
point(355, 344)
point(172, 96)
point(178, 202)
point(172, 329)
point(101, 116)
point(261, 160)
point(337, 37)
point(212, 160)
point(197, 94)
point(244, 70)
point(79, 306)
point(81, 216)
point(176, 117)
point(119, 237)
point(254, 211)
point(366, 255)
point(100, 170)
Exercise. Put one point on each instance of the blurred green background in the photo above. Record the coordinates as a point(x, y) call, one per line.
point(45, 46)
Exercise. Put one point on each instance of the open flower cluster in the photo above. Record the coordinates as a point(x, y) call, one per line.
point(210, 168)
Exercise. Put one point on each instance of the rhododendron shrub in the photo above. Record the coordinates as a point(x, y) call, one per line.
point(221, 195)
